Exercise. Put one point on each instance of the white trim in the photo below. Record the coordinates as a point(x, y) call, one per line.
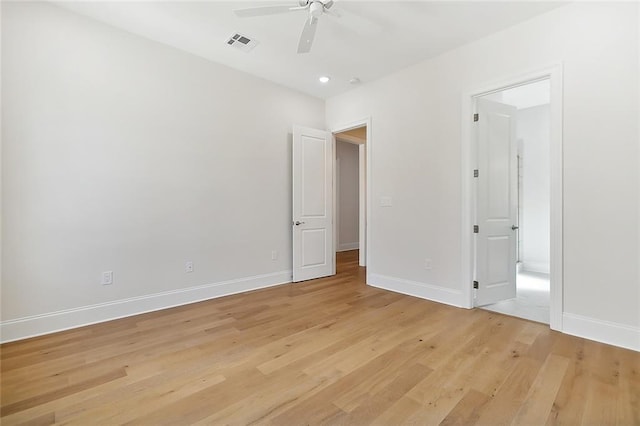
point(369, 196)
point(638, 135)
point(417, 289)
point(349, 246)
point(1, 174)
point(37, 325)
point(539, 267)
point(362, 204)
point(336, 199)
point(365, 238)
point(556, 305)
point(554, 73)
point(467, 164)
point(612, 333)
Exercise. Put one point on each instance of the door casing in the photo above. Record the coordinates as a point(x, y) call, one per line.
point(469, 154)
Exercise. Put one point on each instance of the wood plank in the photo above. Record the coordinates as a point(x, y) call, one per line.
point(540, 399)
point(377, 403)
point(59, 392)
point(329, 351)
point(511, 395)
point(467, 410)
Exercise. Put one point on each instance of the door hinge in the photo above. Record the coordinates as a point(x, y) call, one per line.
point(476, 229)
point(475, 284)
point(475, 173)
point(476, 117)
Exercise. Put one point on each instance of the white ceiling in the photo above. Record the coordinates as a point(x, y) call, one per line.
point(370, 39)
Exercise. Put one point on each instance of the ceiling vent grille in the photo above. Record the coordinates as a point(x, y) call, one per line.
point(242, 42)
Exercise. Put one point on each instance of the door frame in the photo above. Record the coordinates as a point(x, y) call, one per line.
point(364, 156)
point(554, 73)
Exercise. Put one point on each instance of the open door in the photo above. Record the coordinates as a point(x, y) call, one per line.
point(313, 248)
point(496, 214)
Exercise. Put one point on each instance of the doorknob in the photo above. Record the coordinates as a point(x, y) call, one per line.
point(514, 227)
point(298, 223)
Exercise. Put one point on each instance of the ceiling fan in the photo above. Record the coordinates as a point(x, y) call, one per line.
point(316, 8)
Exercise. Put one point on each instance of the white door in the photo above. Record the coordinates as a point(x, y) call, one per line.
point(496, 214)
point(313, 250)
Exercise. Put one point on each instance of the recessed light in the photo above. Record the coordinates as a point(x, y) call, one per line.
point(324, 79)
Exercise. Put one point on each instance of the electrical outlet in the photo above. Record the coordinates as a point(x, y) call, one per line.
point(188, 267)
point(274, 255)
point(427, 264)
point(107, 278)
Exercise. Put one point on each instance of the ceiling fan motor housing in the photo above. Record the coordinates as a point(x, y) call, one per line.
point(316, 9)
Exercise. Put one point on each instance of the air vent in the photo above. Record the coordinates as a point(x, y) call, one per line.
point(242, 42)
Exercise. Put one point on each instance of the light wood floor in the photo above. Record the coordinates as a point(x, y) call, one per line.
point(330, 351)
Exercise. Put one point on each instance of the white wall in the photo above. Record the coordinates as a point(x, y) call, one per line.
point(348, 201)
point(123, 154)
point(533, 129)
point(416, 160)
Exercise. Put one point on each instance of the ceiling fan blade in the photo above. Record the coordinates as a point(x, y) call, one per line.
point(265, 10)
point(308, 33)
point(333, 13)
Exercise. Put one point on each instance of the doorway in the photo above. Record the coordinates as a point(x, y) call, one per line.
point(347, 196)
point(528, 253)
point(314, 198)
point(532, 123)
point(350, 192)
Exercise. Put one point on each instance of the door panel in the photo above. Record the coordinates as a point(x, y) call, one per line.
point(313, 170)
point(497, 251)
point(313, 243)
point(313, 251)
point(498, 162)
point(497, 202)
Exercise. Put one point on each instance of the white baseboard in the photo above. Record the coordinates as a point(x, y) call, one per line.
point(540, 267)
point(37, 325)
point(589, 328)
point(418, 289)
point(612, 333)
point(349, 246)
